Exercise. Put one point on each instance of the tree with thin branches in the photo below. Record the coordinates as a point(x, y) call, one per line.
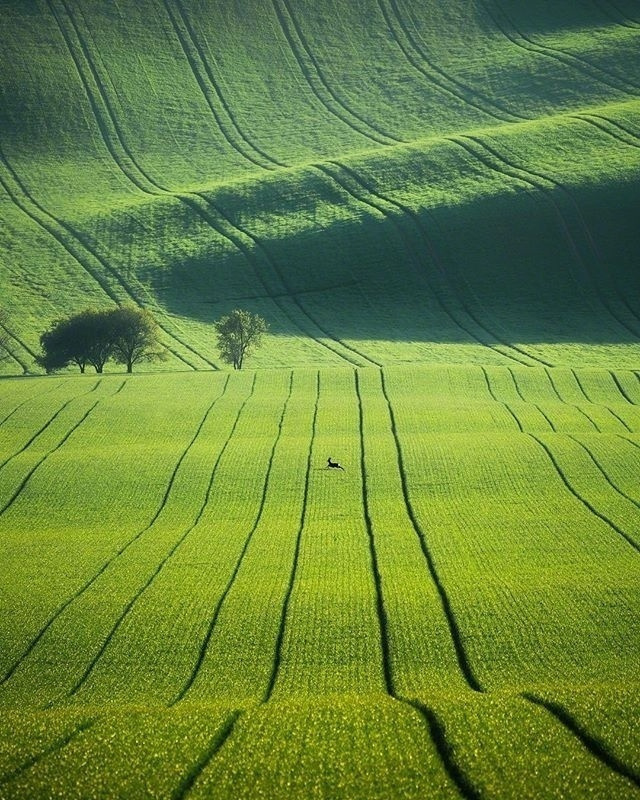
point(239, 333)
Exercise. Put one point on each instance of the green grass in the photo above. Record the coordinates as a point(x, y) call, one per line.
point(192, 597)
point(434, 205)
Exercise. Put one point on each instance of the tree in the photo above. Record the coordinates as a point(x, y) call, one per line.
point(239, 333)
point(84, 338)
point(134, 336)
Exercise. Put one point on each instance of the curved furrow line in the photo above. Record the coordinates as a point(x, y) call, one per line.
point(615, 14)
point(29, 475)
point(570, 405)
point(416, 55)
point(24, 403)
point(199, 202)
point(115, 142)
point(603, 472)
point(608, 127)
point(277, 655)
point(182, 538)
point(507, 27)
point(218, 607)
point(236, 236)
point(18, 340)
point(333, 103)
point(48, 751)
point(378, 203)
point(454, 631)
point(594, 745)
point(619, 386)
point(187, 782)
point(47, 423)
point(589, 506)
point(203, 73)
point(383, 623)
point(23, 483)
point(546, 185)
point(599, 405)
point(535, 405)
point(69, 239)
point(86, 586)
point(500, 402)
point(634, 22)
point(446, 752)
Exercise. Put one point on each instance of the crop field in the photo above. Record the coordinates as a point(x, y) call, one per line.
point(434, 205)
point(203, 608)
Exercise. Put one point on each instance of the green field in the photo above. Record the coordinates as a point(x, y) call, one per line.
point(435, 207)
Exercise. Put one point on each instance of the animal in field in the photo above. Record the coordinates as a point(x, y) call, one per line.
point(334, 464)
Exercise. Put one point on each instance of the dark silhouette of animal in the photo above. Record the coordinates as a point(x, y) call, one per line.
point(334, 464)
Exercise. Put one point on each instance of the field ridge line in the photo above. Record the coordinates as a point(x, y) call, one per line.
point(335, 105)
point(454, 630)
point(586, 503)
point(87, 585)
point(277, 656)
point(188, 781)
point(592, 743)
point(49, 751)
point(136, 596)
point(383, 622)
point(218, 606)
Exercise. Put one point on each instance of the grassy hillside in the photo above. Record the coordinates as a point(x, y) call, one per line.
point(384, 181)
point(210, 612)
point(435, 206)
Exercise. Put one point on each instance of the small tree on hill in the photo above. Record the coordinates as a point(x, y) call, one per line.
point(134, 336)
point(239, 333)
point(81, 339)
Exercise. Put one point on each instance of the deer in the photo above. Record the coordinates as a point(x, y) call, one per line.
point(334, 464)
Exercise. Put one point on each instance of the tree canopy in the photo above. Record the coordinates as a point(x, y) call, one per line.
point(239, 333)
point(126, 334)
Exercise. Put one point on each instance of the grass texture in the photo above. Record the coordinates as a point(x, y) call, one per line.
point(201, 608)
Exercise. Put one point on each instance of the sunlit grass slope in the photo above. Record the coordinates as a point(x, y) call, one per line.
point(200, 608)
point(384, 181)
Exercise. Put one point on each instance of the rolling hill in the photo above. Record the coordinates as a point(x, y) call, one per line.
point(435, 206)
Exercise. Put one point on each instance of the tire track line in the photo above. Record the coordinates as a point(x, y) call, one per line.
point(570, 405)
point(416, 55)
point(535, 405)
point(277, 656)
point(198, 202)
point(619, 386)
point(129, 606)
point(599, 405)
point(44, 427)
point(29, 400)
point(546, 186)
point(592, 743)
point(501, 402)
point(586, 503)
point(383, 623)
point(603, 472)
point(44, 458)
point(379, 201)
point(86, 586)
point(508, 28)
point(203, 73)
point(435, 729)
point(187, 782)
point(48, 751)
point(614, 15)
point(454, 631)
point(608, 127)
point(218, 607)
point(334, 105)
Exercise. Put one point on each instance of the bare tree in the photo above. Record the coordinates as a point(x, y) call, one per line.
point(239, 333)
